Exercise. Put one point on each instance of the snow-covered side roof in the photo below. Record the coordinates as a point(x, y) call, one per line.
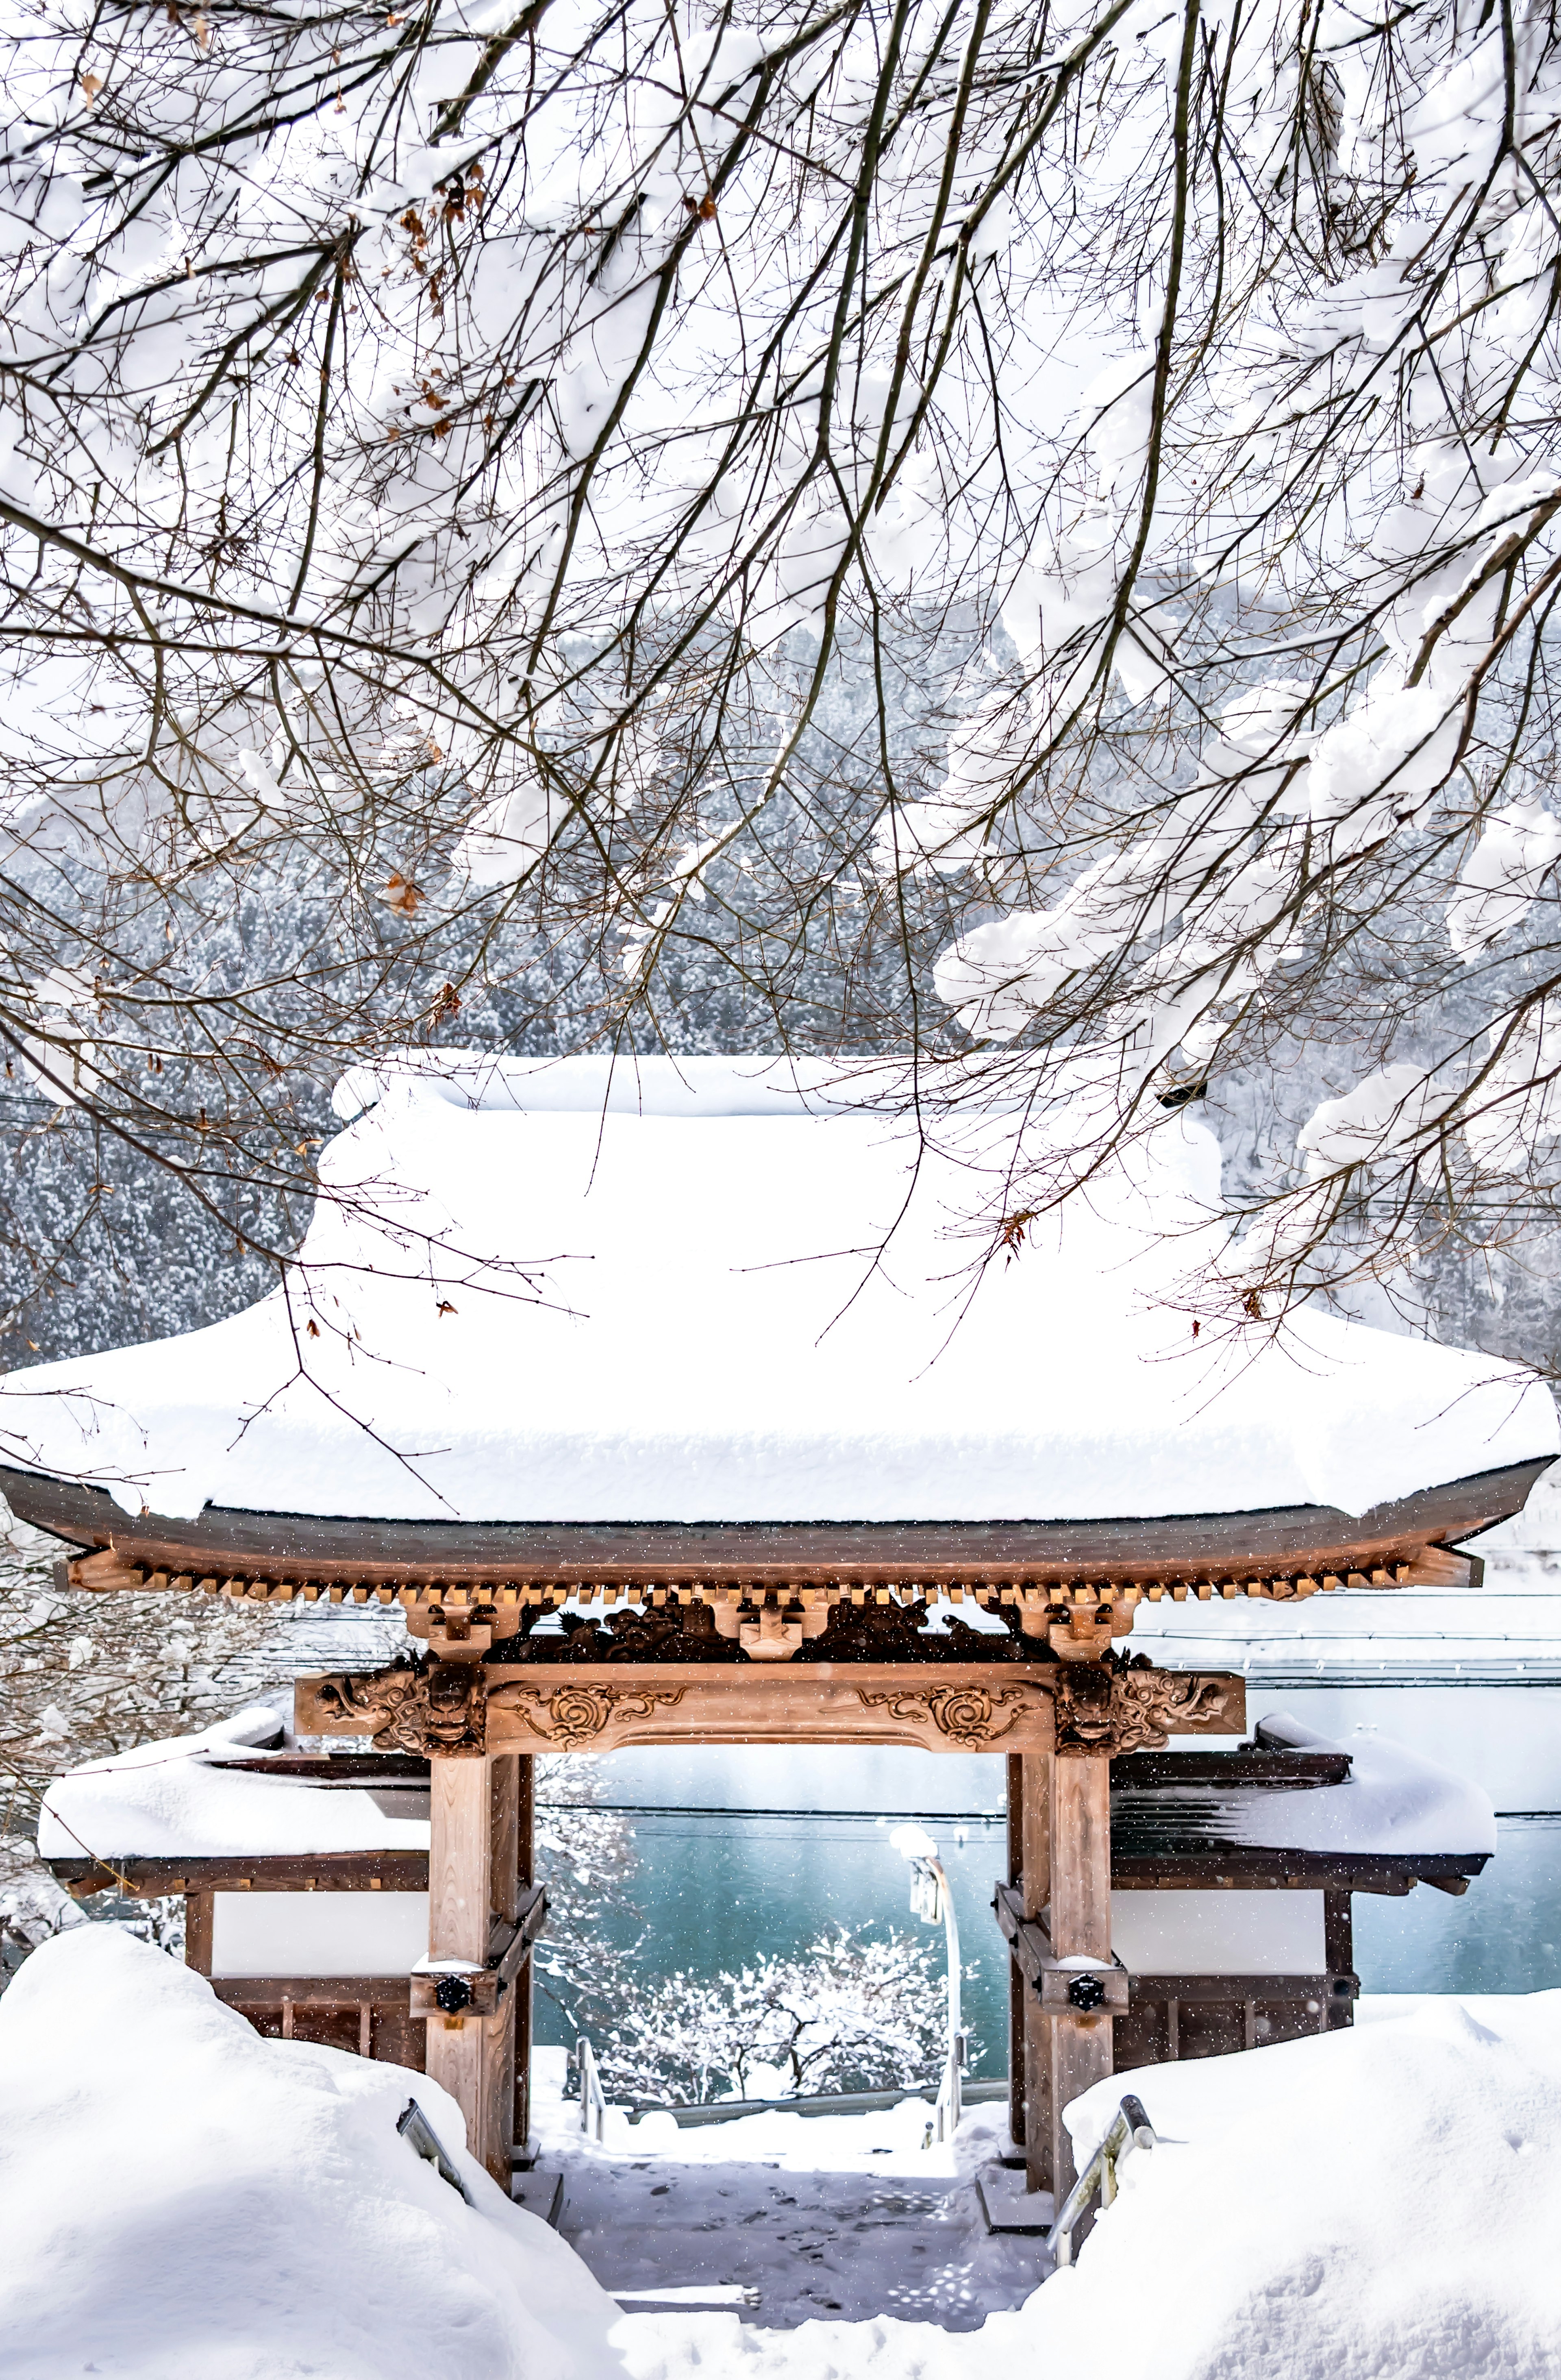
point(167, 1801)
point(728, 1290)
point(1393, 1804)
point(164, 1801)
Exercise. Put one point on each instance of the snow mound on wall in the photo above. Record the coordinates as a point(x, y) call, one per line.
point(1393, 1801)
point(1377, 2204)
point(182, 2200)
point(164, 1801)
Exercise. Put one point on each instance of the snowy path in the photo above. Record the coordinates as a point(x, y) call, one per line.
point(785, 2220)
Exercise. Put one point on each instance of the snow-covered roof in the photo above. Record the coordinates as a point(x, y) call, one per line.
point(172, 1800)
point(732, 1290)
point(1393, 1803)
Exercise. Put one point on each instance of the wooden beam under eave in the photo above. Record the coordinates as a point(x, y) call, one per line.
point(1376, 1565)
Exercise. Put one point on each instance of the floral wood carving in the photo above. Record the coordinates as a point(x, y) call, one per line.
point(569, 1717)
point(972, 1717)
point(438, 1707)
point(1103, 1712)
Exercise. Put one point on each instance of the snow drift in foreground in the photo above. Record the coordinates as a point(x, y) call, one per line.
point(182, 2200)
point(1379, 2205)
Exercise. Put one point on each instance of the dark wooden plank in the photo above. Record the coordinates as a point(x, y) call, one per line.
point(1190, 1989)
point(250, 1871)
point(384, 1768)
point(1241, 1770)
point(1300, 1539)
point(1244, 1869)
point(248, 1992)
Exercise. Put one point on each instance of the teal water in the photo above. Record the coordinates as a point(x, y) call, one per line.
point(714, 1889)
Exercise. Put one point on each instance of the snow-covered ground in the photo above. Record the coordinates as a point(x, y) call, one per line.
point(799, 2215)
point(1379, 2205)
point(181, 2198)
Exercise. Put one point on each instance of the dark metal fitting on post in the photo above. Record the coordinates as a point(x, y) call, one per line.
point(1086, 1992)
point(453, 1993)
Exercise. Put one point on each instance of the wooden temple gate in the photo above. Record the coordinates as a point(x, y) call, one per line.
point(1058, 1720)
point(591, 1638)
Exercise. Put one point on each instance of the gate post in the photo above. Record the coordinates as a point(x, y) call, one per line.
point(1034, 1832)
point(520, 1990)
point(472, 1878)
point(1014, 1769)
point(1081, 1927)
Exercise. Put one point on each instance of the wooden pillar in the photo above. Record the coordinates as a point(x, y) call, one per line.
point(1015, 1769)
point(1035, 1776)
point(1081, 1927)
point(199, 1916)
point(471, 1865)
point(520, 1990)
point(1339, 1952)
point(504, 1901)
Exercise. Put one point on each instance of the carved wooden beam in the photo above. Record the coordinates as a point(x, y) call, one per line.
point(1042, 1603)
point(1087, 1709)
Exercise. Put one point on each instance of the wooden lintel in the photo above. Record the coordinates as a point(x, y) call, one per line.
point(1088, 1709)
point(1246, 1868)
point(1336, 1986)
point(150, 1879)
point(312, 1991)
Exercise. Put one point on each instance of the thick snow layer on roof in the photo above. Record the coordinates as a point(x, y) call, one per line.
point(182, 2200)
point(1393, 1801)
point(716, 1291)
point(165, 1801)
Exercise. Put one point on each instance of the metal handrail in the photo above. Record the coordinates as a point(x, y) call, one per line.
point(419, 2134)
point(1130, 2128)
point(950, 2093)
point(593, 2099)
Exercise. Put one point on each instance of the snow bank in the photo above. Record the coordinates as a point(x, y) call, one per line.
point(1379, 2205)
point(181, 2200)
point(162, 1801)
point(704, 1293)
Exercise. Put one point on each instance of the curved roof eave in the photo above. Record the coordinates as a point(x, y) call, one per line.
point(1270, 1548)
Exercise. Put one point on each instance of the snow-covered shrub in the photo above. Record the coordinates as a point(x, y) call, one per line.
point(852, 2012)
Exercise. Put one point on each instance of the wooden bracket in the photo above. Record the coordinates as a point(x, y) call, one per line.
point(509, 1949)
point(1030, 1945)
point(1432, 1566)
